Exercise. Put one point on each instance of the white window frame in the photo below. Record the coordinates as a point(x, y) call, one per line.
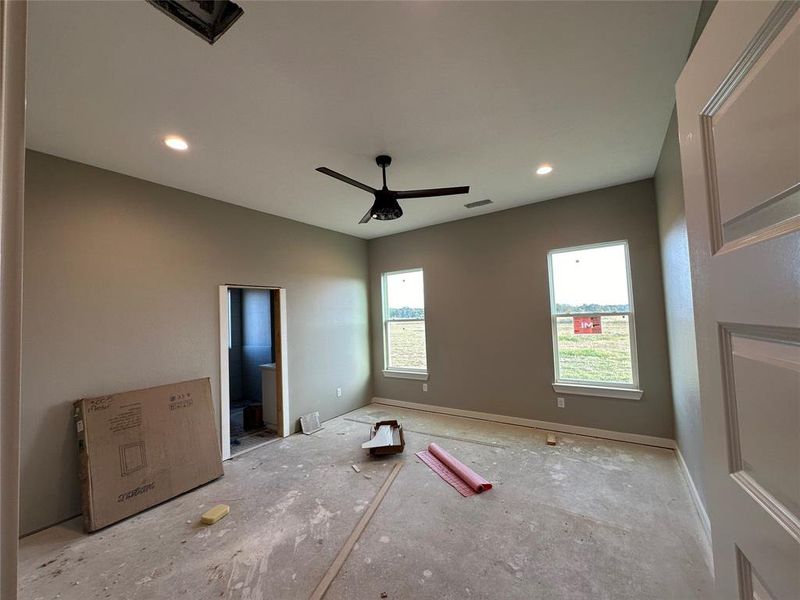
point(407, 373)
point(628, 391)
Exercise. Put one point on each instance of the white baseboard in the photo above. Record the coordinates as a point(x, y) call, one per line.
point(618, 436)
point(698, 503)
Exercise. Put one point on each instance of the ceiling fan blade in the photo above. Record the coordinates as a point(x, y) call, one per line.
point(434, 192)
point(367, 217)
point(346, 179)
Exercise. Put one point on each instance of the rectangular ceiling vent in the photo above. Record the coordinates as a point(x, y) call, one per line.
point(478, 203)
point(207, 18)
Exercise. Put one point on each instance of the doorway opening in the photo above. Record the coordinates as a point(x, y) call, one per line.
point(253, 386)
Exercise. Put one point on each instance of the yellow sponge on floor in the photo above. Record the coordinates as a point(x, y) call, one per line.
point(213, 515)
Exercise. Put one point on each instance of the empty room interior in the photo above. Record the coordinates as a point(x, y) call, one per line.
point(415, 299)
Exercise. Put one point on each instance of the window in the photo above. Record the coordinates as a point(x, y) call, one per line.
point(404, 324)
point(594, 335)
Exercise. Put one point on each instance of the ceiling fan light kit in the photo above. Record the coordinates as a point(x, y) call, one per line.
point(386, 210)
point(209, 20)
point(386, 207)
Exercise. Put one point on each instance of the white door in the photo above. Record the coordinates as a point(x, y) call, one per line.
point(739, 126)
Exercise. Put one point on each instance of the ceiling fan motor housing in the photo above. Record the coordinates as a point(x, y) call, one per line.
point(386, 206)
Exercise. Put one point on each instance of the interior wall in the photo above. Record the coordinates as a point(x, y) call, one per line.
point(121, 284)
point(675, 262)
point(679, 306)
point(487, 309)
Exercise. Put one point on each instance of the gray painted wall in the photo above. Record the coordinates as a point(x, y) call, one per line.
point(120, 283)
point(679, 306)
point(675, 266)
point(488, 309)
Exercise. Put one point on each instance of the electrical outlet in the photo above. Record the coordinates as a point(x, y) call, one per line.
point(424, 387)
point(338, 392)
point(560, 402)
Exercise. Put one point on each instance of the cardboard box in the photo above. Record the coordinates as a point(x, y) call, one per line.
point(398, 442)
point(138, 449)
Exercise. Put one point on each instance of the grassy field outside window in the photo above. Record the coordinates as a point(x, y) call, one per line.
point(406, 344)
point(604, 357)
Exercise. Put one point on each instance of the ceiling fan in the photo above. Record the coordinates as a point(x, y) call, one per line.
point(385, 207)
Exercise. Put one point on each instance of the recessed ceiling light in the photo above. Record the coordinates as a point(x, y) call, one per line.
point(176, 143)
point(544, 170)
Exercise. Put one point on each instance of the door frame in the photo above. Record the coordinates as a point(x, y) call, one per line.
point(278, 302)
point(13, 29)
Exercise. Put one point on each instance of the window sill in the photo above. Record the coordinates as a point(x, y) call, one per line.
point(418, 375)
point(598, 390)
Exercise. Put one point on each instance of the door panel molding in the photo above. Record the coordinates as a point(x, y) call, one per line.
point(776, 503)
point(743, 228)
point(750, 584)
point(770, 29)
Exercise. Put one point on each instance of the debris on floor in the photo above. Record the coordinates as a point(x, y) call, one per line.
point(213, 515)
point(466, 481)
point(551, 439)
point(310, 423)
point(356, 469)
point(385, 437)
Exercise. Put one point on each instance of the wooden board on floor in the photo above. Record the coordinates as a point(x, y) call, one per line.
point(333, 570)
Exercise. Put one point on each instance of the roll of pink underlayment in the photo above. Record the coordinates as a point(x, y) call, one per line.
point(466, 481)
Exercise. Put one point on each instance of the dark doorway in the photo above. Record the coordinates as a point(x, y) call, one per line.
point(251, 368)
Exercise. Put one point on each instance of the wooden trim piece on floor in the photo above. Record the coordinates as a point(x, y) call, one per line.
point(439, 435)
point(333, 570)
point(618, 436)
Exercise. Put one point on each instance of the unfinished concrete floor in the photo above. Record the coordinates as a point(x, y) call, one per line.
point(587, 518)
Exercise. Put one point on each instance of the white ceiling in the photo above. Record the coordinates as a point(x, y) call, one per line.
point(459, 93)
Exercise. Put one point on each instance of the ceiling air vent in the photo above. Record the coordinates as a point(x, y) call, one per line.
point(207, 18)
point(478, 203)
